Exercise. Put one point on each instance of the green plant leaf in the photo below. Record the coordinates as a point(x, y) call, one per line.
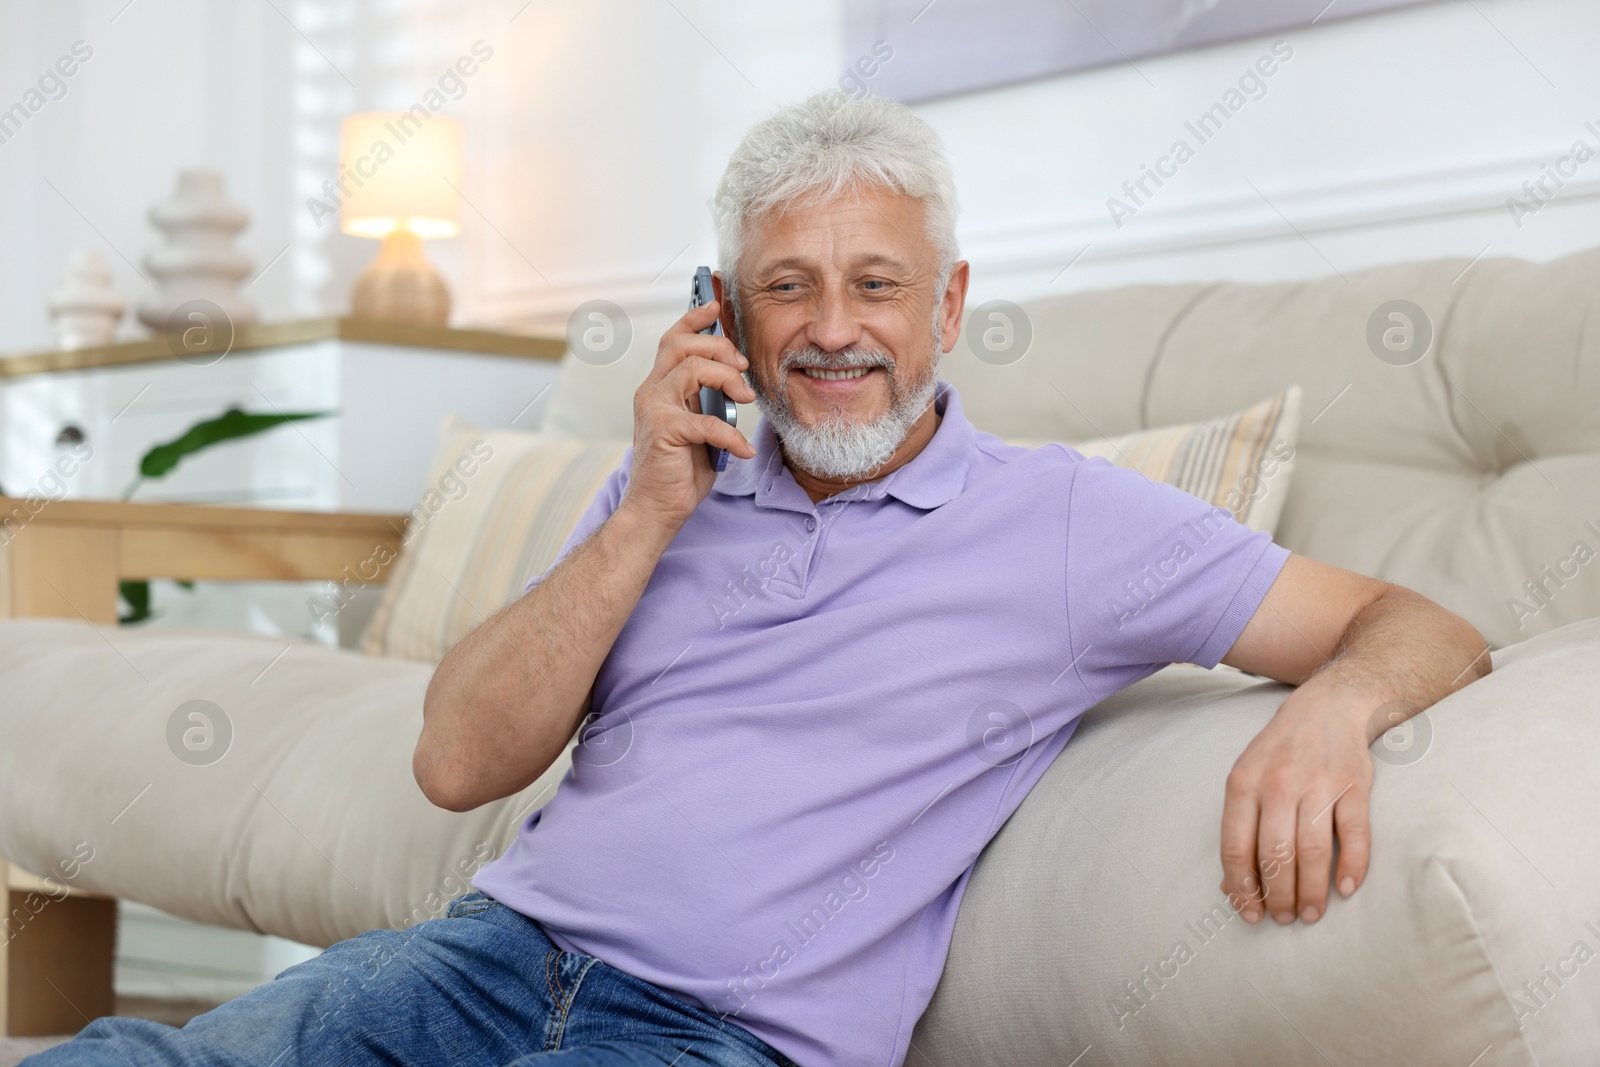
point(160, 460)
point(229, 426)
point(137, 595)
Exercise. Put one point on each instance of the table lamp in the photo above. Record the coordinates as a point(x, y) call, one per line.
point(402, 170)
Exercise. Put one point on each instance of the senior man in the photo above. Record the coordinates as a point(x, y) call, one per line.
point(758, 855)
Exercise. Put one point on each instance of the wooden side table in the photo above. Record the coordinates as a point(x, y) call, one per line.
point(55, 955)
point(58, 941)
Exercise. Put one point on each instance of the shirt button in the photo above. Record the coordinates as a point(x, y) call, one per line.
point(811, 524)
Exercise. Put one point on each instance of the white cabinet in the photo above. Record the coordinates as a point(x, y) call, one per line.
point(388, 385)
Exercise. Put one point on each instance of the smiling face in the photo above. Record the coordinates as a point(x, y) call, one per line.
point(843, 318)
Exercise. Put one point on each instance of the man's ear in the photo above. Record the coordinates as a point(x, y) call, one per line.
point(726, 313)
point(954, 302)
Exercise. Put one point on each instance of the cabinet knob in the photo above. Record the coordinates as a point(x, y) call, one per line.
point(69, 435)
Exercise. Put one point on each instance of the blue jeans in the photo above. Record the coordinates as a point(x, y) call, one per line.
point(483, 985)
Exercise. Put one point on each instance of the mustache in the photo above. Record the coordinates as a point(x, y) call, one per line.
point(812, 356)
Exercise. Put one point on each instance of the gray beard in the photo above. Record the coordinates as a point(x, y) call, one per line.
point(838, 446)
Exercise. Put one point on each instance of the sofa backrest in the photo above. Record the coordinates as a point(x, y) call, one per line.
point(1463, 475)
point(1471, 475)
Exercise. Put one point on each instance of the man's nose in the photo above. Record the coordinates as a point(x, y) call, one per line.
point(835, 325)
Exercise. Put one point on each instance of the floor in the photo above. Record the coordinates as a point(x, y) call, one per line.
point(172, 1012)
point(13, 1050)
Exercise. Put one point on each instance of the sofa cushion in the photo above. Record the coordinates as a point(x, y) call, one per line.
point(1094, 917)
point(1242, 461)
point(499, 505)
point(307, 823)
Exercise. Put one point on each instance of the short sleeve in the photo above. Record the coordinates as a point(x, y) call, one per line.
point(605, 501)
point(1156, 576)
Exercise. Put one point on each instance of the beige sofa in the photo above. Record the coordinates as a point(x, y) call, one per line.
point(1093, 931)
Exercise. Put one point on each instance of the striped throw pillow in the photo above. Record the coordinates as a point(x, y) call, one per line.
point(498, 507)
point(1241, 461)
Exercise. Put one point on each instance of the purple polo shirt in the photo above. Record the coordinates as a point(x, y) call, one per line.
point(818, 714)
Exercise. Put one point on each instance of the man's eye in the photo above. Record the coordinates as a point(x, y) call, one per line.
point(875, 285)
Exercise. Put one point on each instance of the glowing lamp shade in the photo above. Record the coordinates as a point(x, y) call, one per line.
point(402, 169)
point(399, 172)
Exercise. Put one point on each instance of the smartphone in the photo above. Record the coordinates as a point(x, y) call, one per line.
point(712, 401)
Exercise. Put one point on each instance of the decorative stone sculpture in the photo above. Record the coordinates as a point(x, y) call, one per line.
point(197, 262)
point(84, 307)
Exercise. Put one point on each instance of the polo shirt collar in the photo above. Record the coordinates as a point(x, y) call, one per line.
point(934, 477)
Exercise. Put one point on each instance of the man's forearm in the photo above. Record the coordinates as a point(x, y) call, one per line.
point(1305, 779)
point(505, 700)
point(1400, 654)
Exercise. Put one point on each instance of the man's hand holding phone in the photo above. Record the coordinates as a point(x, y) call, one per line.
point(671, 471)
point(494, 719)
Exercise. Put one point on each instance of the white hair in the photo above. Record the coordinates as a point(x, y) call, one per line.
point(828, 145)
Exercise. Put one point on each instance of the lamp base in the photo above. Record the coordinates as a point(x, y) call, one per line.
point(400, 285)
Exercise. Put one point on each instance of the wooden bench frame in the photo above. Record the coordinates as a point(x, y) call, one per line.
point(63, 559)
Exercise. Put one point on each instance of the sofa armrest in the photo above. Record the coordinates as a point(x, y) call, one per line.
point(63, 558)
point(1094, 918)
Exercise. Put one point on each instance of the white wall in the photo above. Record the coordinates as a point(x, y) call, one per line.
point(1393, 137)
point(1385, 138)
point(596, 133)
point(601, 147)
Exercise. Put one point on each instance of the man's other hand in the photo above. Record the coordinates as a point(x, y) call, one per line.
point(1354, 647)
